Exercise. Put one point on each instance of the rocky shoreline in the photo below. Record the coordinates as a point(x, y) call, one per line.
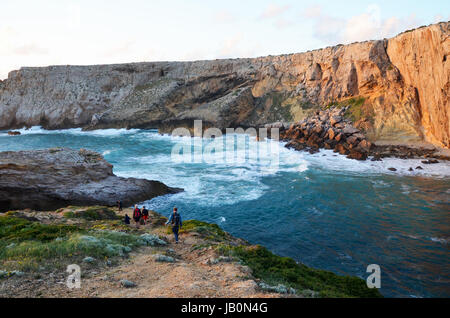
point(331, 129)
point(53, 178)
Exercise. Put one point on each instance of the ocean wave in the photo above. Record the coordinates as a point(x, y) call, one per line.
point(439, 240)
point(38, 130)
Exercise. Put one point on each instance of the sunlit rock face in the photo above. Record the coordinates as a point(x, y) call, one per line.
point(397, 90)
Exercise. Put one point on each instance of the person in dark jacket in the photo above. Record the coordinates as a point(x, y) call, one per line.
point(176, 222)
point(127, 219)
point(119, 205)
point(144, 214)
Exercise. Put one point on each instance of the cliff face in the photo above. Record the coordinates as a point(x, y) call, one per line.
point(397, 90)
point(422, 56)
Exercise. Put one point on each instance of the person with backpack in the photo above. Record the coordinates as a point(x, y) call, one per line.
point(137, 215)
point(144, 215)
point(176, 222)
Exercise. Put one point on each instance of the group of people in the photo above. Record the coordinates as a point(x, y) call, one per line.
point(141, 216)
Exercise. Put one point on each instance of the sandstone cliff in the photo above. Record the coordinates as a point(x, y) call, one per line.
point(397, 90)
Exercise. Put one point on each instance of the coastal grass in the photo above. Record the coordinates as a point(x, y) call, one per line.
point(93, 213)
point(208, 231)
point(27, 245)
point(356, 109)
point(274, 270)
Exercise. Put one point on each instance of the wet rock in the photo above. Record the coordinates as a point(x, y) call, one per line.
point(13, 133)
point(392, 169)
point(365, 145)
point(357, 155)
point(419, 168)
point(429, 162)
point(53, 178)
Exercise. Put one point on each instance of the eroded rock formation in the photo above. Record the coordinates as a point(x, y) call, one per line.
point(53, 178)
point(397, 89)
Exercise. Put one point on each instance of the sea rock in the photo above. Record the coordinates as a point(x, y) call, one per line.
point(392, 169)
point(429, 162)
point(335, 119)
point(53, 178)
point(13, 133)
point(357, 155)
point(349, 130)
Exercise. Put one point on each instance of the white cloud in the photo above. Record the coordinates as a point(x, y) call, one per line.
point(366, 26)
point(274, 10)
point(224, 16)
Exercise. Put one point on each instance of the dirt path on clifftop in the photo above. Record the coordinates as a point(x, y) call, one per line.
point(190, 274)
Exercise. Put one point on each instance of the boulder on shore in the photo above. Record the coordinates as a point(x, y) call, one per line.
point(52, 178)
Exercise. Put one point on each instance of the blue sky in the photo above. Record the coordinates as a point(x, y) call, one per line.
point(48, 32)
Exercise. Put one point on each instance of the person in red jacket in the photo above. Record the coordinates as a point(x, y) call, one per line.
point(137, 215)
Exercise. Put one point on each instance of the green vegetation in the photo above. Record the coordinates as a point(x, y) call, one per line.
point(274, 269)
point(355, 112)
point(152, 84)
point(14, 229)
point(208, 231)
point(27, 245)
point(279, 110)
point(93, 213)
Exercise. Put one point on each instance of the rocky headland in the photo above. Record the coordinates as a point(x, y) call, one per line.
point(397, 90)
point(53, 178)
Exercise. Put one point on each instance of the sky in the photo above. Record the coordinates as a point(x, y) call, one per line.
point(83, 32)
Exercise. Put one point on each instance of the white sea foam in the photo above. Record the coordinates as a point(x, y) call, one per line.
point(38, 130)
point(334, 162)
point(439, 240)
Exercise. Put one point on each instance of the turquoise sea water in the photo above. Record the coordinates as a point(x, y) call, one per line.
point(323, 210)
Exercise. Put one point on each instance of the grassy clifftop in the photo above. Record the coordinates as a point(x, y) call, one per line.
point(33, 244)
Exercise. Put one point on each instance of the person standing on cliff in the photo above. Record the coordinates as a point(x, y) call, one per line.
point(144, 215)
point(176, 222)
point(137, 215)
point(119, 205)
